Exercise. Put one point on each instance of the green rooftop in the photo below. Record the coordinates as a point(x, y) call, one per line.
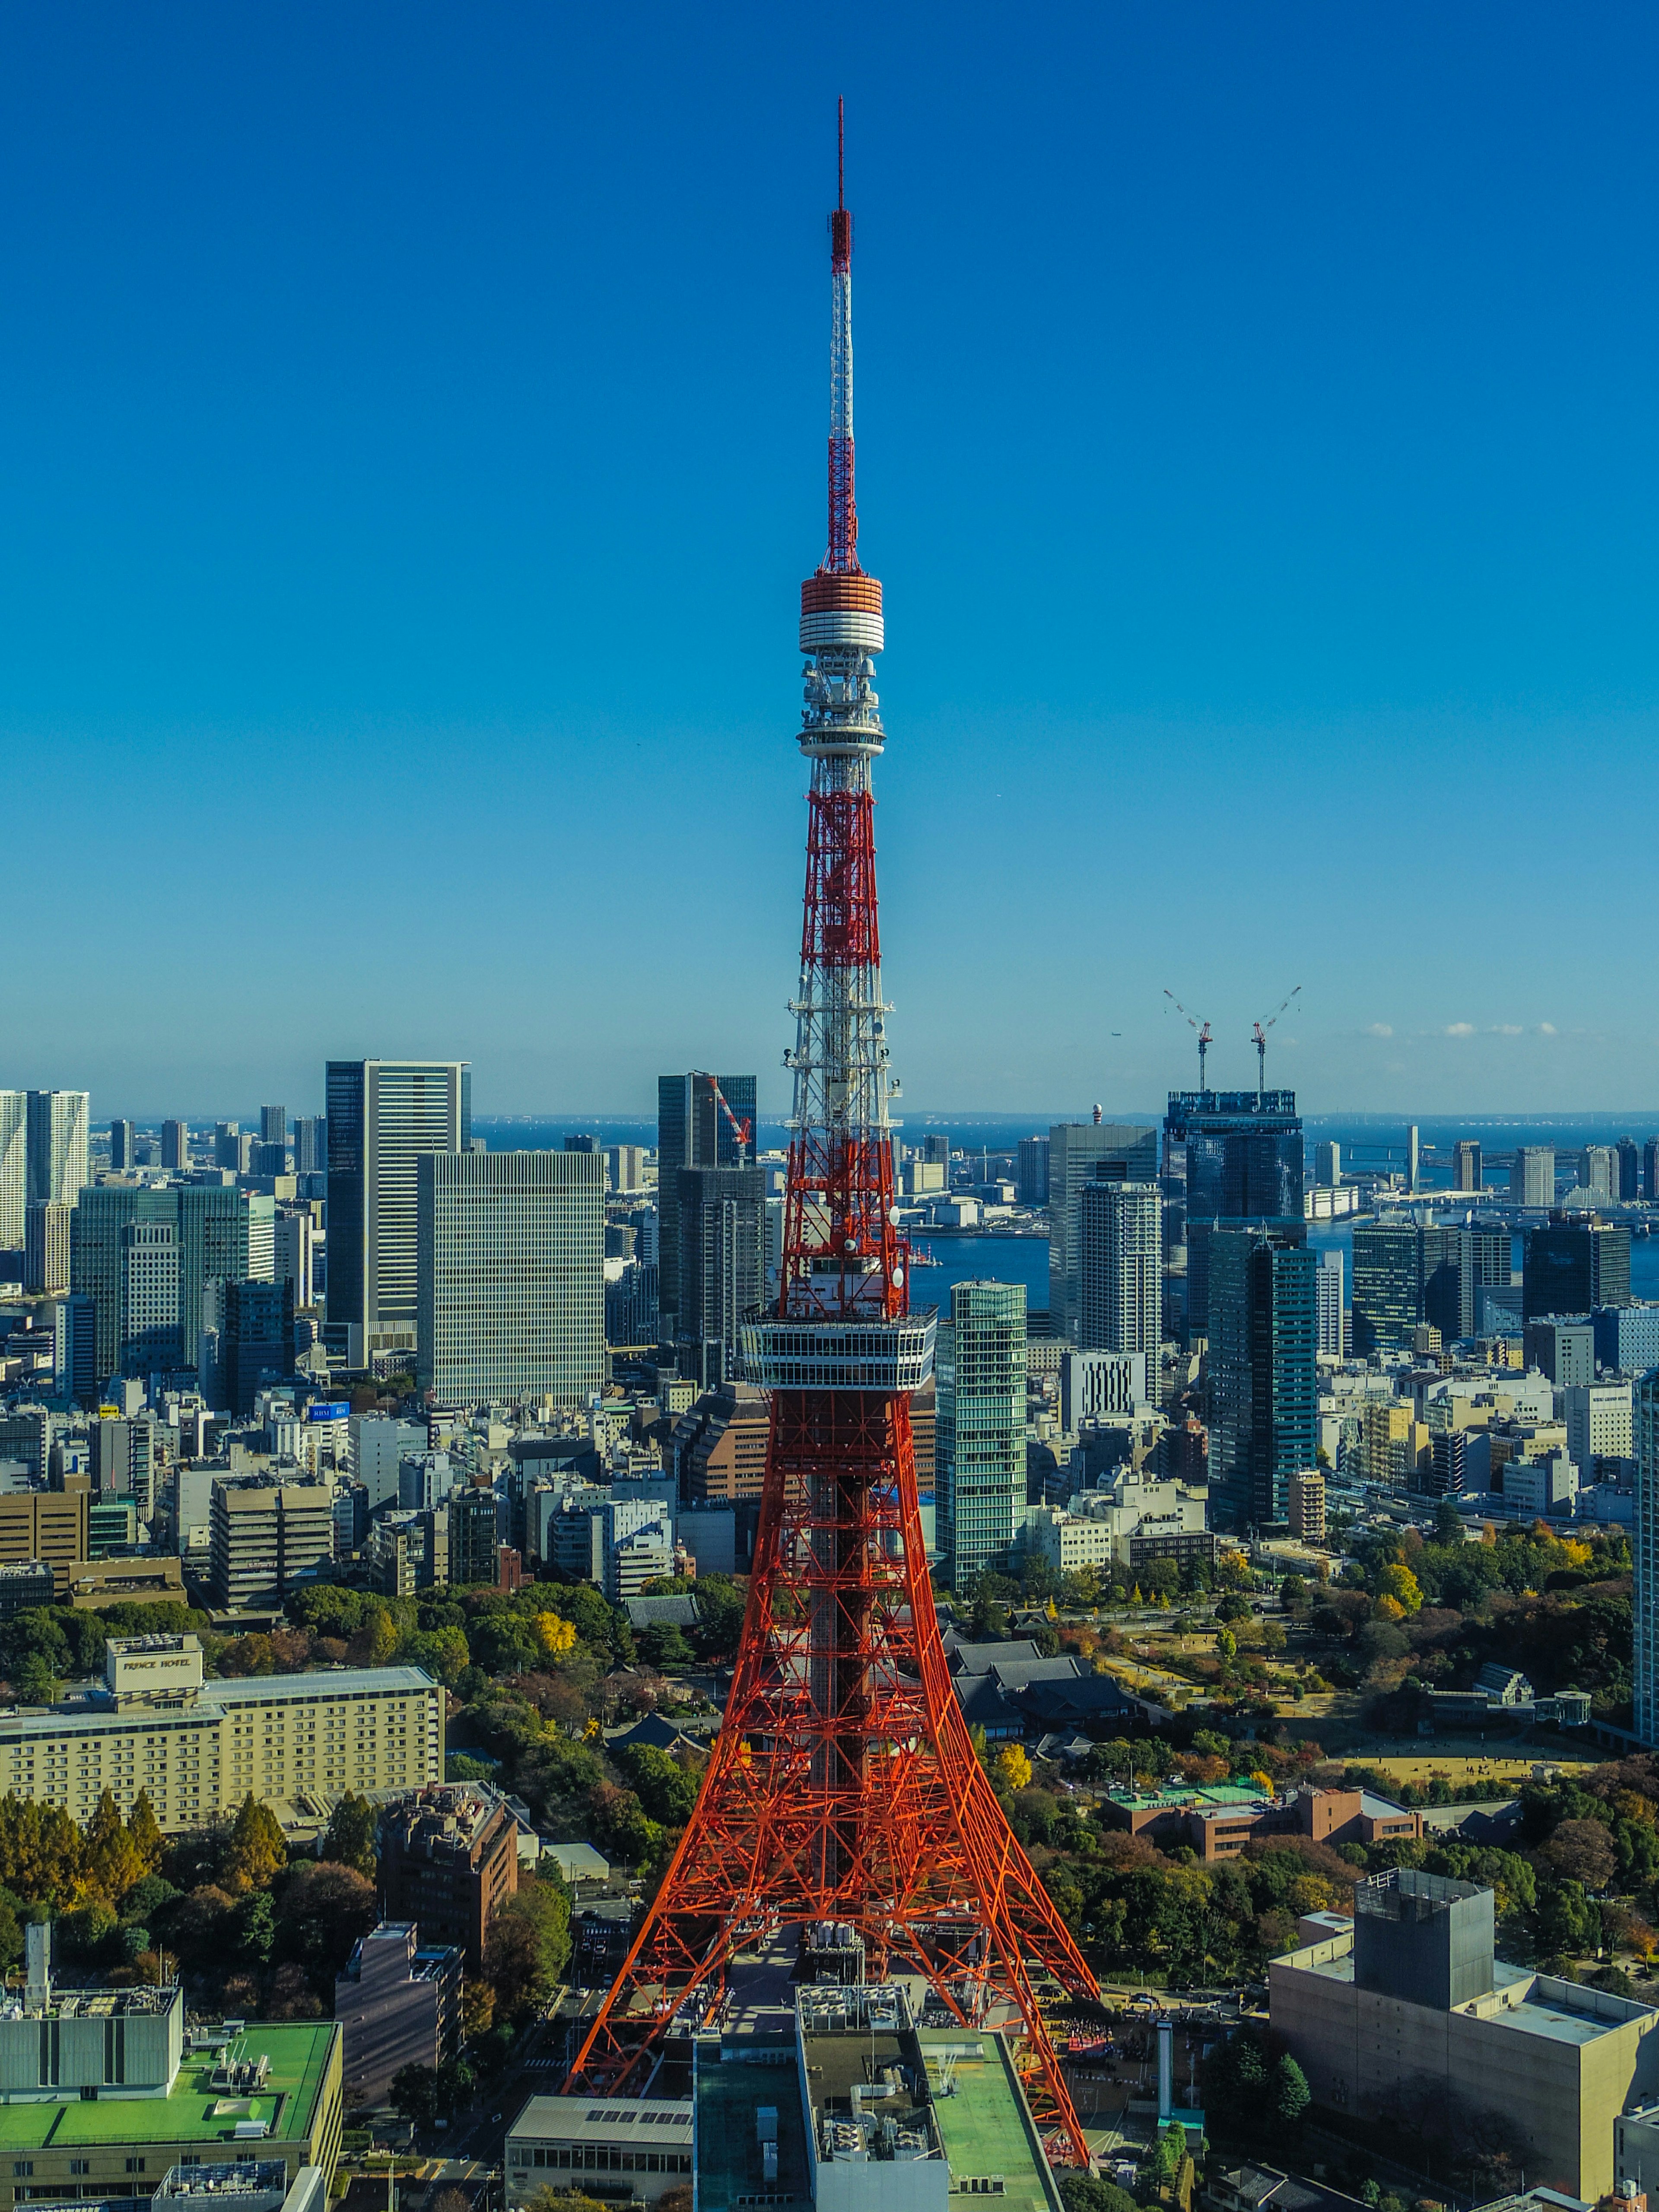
point(298, 2051)
point(1196, 1793)
point(986, 2126)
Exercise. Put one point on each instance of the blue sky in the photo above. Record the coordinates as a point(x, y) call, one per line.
point(411, 440)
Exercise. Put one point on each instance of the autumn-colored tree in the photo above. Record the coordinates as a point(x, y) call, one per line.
point(257, 1851)
point(113, 1862)
point(375, 1641)
point(42, 1851)
point(556, 1635)
point(146, 1831)
point(351, 1835)
point(1581, 1850)
point(1013, 1768)
point(1401, 1584)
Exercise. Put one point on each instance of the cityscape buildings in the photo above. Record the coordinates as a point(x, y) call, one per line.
point(1264, 1428)
point(703, 1122)
point(1121, 1268)
point(980, 1434)
point(1081, 1153)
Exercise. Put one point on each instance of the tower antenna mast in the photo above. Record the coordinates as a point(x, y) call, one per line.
point(1206, 1035)
point(1259, 1039)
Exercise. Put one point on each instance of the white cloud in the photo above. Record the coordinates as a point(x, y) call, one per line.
point(1458, 1028)
point(1547, 1028)
point(1379, 1029)
point(1508, 1029)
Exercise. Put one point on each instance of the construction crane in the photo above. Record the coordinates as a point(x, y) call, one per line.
point(741, 1130)
point(1259, 1039)
point(1204, 1034)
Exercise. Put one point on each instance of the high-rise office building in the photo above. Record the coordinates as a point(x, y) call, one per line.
point(75, 1349)
point(150, 1337)
point(1121, 1270)
point(581, 1141)
point(123, 1145)
point(1650, 1170)
point(273, 1125)
point(293, 1249)
point(1644, 1653)
point(58, 1145)
point(1406, 1273)
point(1082, 1153)
point(1598, 1171)
point(474, 1529)
point(1629, 1154)
point(1532, 1179)
point(257, 1344)
point(14, 1167)
point(1032, 1171)
point(1327, 1165)
point(383, 1114)
point(1328, 1285)
point(1264, 1400)
point(1228, 1156)
point(1413, 1160)
point(693, 1131)
point(980, 1438)
point(228, 1146)
point(1466, 1164)
point(175, 1146)
point(1573, 1266)
point(510, 1276)
point(46, 1246)
point(220, 1236)
point(311, 1145)
point(720, 1227)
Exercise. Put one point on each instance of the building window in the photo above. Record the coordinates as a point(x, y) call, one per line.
point(80, 2165)
point(135, 2166)
point(23, 2166)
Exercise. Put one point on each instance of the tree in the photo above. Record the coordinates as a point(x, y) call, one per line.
point(1291, 2093)
point(556, 1635)
point(145, 1831)
point(528, 1945)
point(1085, 2192)
point(1401, 1584)
point(255, 1924)
point(415, 2094)
point(662, 1644)
point(257, 1852)
point(1014, 1767)
point(1581, 1851)
point(351, 1835)
point(664, 1789)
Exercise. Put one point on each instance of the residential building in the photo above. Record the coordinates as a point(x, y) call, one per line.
point(474, 1536)
point(46, 1246)
point(979, 1436)
point(1599, 1418)
point(1410, 1999)
point(719, 1227)
point(449, 1858)
point(123, 1145)
point(1329, 1287)
point(1121, 1268)
point(196, 1748)
point(1307, 1505)
point(510, 1276)
point(409, 1551)
point(693, 1131)
point(1532, 1179)
point(58, 1145)
point(219, 1234)
point(1466, 1165)
point(1031, 1171)
point(383, 1114)
point(1081, 1153)
point(267, 1538)
point(624, 1168)
point(1264, 1334)
point(1573, 1266)
point(398, 2005)
point(14, 1167)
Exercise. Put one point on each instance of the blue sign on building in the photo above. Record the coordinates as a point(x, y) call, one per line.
point(317, 1411)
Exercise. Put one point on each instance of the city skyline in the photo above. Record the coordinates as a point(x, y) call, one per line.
point(1310, 434)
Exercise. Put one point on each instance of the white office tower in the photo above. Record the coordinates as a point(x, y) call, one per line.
point(1120, 1269)
point(1328, 1282)
point(14, 1167)
point(383, 1116)
point(511, 1276)
point(1532, 1179)
point(58, 1145)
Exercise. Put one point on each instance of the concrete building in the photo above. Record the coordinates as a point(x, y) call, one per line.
point(979, 1480)
point(474, 1536)
point(383, 1116)
point(566, 2144)
point(197, 1748)
point(1532, 1179)
point(1081, 1153)
point(1218, 1820)
point(398, 2005)
point(1121, 1268)
point(510, 1277)
point(57, 1124)
point(378, 1448)
point(1564, 1351)
point(1127, 1523)
point(1095, 1386)
point(267, 1538)
point(257, 1344)
point(1599, 1418)
point(1329, 1287)
point(449, 1857)
point(1572, 1266)
point(720, 1236)
point(46, 1246)
point(1307, 1506)
point(1466, 1165)
point(175, 1147)
point(1410, 2002)
point(218, 1234)
point(1627, 1337)
point(717, 1451)
point(46, 1524)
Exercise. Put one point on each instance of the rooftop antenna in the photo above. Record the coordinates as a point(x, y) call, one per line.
point(1206, 1036)
point(1259, 1039)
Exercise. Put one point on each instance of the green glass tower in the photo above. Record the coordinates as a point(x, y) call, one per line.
point(980, 1448)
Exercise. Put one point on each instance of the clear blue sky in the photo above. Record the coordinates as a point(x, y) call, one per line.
point(411, 439)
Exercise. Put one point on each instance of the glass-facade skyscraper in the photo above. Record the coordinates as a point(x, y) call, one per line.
point(1228, 1156)
point(1263, 1370)
point(978, 1466)
point(693, 1132)
point(1082, 1153)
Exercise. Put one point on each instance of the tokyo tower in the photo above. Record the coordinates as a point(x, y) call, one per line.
point(844, 1786)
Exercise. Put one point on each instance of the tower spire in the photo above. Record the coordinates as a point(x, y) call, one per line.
point(843, 558)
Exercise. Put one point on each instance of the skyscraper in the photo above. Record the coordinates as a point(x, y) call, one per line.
point(14, 1167)
point(220, 1235)
point(1630, 1170)
point(311, 1145)
point(1264, 1402)
point(1033, 1170)
point(1573, 1266)
point(1228, 1156)
point(1407, 1273)
point(695, 1130)
point(978, 1477)
point(258, 1340)
point(123, 1141)
point(1329, 1288)
point(57, 1145)
point(1532, 1179)
point(1466, 1164)
point(150, 1336)
point(510, 1274)
point(273, 1125)
point(1081, 1153)
point(382, 1115)
point(46, 1246)
point(720, 1228)
point(175, 1146)
point(1121, 1270)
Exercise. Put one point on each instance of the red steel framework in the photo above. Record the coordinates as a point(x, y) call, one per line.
point(844, 1786)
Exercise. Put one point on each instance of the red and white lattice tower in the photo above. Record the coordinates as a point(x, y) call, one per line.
point(843, 1785)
